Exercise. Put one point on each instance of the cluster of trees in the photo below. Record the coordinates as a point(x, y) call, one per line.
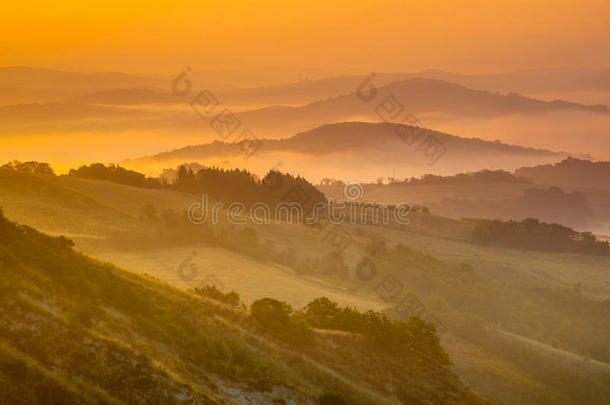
point(569, 172)
point(115, 174)
point(549, 205)
point(296, 327)
point(415, 334)
point(482, 176)
point(31, 167)
point(239, 185)
point(531, 234)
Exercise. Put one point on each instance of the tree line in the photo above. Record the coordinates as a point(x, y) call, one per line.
point(531, 234)
point(115, 174)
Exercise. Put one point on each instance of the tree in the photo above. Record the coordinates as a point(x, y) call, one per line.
point(31, 167)
point(421, 337)
point(322, 313)
point(276, 316)
point(271, 312)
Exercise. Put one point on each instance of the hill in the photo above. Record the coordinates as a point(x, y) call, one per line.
point(480, 293)
point(497, 195)
point(531, 81)
point(376, 149)
point(77, 330)
point(528, 82)
point(426, 95)
point(440, 99)
point(304, 91)
point(435, 101)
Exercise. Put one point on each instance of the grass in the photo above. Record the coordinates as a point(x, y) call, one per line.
point(90, 210)
point(141, 340)
point(250, 278)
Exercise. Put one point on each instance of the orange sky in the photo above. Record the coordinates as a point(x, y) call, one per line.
point(332, 35)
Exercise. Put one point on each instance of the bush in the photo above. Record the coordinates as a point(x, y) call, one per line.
point(277, 317)
point(271, 312)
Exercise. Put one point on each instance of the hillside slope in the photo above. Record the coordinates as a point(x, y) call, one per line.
point(83, 331)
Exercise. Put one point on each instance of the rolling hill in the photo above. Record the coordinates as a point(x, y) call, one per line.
point(96, 111)
point(528, 82)
point(86, 331)
point(375, 148)
point(479, 292)
point(111, 85)
point(438, 99)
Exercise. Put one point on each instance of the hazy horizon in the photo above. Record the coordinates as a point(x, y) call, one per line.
point(318, 203)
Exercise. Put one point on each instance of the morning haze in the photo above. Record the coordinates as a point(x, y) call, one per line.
point(314, 202)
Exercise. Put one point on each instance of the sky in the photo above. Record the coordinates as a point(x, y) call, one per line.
point(338, 36)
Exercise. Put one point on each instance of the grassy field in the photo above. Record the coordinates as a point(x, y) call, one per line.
point(250, 278)
point(88, 211)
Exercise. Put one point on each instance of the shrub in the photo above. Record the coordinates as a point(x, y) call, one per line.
point(210, 291)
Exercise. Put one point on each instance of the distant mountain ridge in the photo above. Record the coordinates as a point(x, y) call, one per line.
point(419, 94)
point(437, 99)
point(434, 101)
point(306, 90)
point(427, 95)
point(526, 82)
